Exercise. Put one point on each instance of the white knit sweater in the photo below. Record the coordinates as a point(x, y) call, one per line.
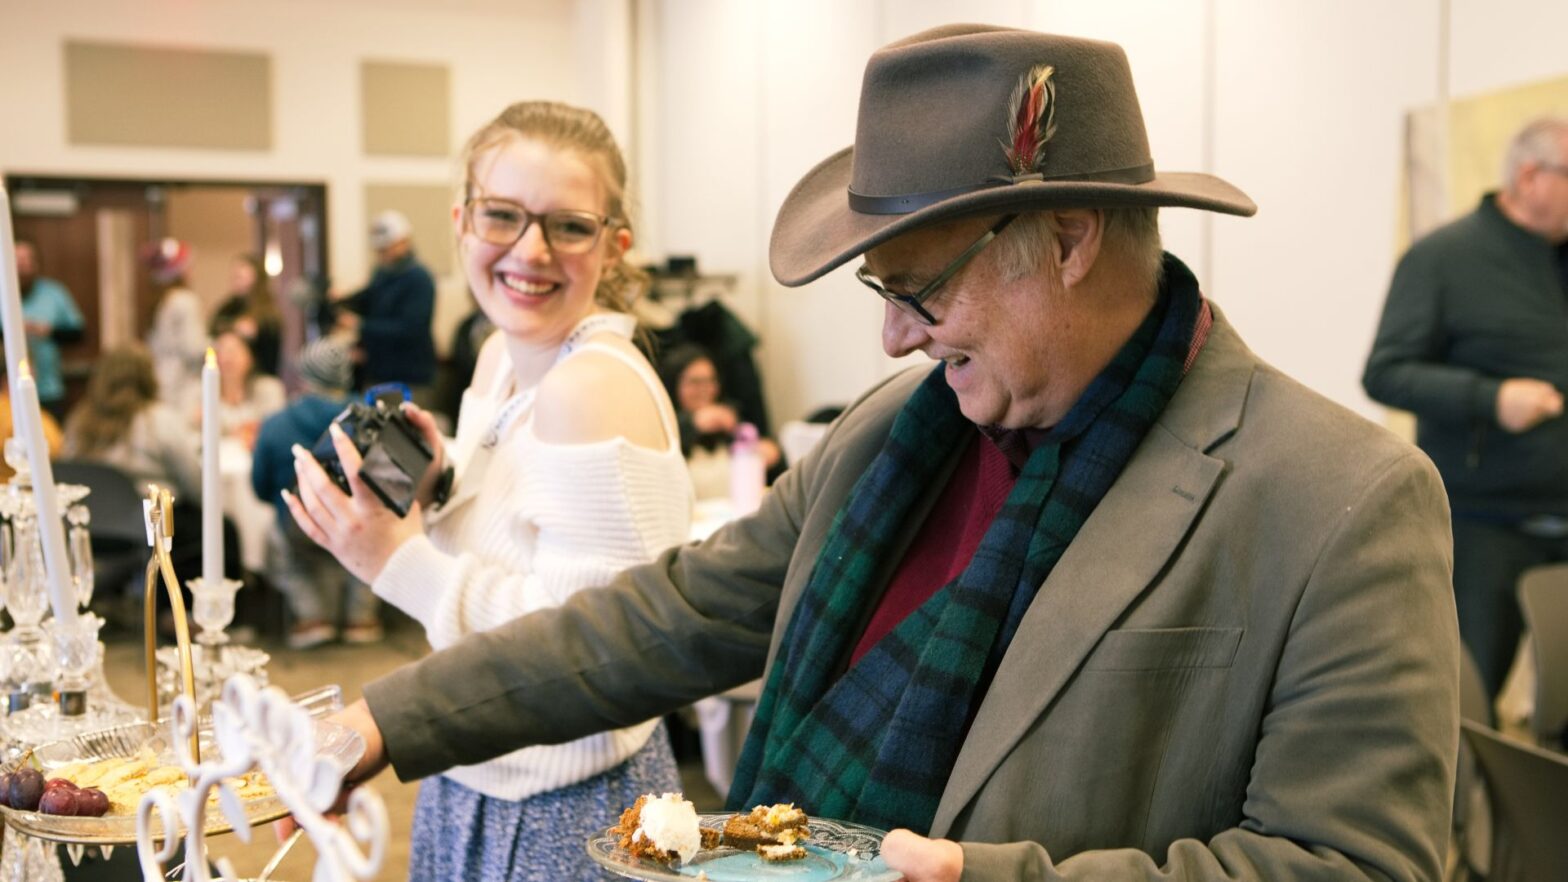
point(541, 521)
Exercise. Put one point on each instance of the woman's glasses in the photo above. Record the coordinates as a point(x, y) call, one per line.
point(503, 222)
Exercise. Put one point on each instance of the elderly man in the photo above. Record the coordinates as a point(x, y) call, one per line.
point(1099, 596)
point(1474, 341)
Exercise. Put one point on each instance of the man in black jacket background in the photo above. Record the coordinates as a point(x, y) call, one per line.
point(1474, 342)
point(394, 311)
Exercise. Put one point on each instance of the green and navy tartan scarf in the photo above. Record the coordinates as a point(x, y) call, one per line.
point(876, 745)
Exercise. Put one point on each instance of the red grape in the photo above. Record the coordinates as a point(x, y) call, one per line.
point(59, 801)
point(91, 802)
point(27, 787)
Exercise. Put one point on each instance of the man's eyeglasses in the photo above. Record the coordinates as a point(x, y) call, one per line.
point(914, 304)
point(503, 222)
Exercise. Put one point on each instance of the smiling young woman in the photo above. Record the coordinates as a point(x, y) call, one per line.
point(568, 469)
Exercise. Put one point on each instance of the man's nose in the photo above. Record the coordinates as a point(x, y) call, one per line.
point(902, 333)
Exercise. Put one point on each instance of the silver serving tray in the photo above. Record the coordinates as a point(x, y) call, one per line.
point(332, 740)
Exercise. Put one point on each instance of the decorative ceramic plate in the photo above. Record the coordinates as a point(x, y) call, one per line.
point(837, 850)
point(339, 742)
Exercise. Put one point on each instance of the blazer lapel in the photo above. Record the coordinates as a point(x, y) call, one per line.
point(1117, 554)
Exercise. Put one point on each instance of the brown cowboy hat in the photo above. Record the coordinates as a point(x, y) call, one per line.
point(971, 119)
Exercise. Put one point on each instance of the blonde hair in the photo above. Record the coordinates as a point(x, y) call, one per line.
point(565, 127)
point(121, 385)
point(1131, 234)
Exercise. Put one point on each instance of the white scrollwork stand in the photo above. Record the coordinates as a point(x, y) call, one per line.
point(260, 728)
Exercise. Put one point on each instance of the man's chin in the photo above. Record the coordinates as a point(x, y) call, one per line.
point(980, 413)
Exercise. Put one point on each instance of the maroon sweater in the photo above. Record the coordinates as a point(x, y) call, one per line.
point(969, 503)
point(947, 540)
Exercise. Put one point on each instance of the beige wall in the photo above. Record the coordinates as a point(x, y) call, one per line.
point(496, 52)
point(1302, 104)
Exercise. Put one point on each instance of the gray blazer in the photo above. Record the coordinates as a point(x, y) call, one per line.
point(1245, 666)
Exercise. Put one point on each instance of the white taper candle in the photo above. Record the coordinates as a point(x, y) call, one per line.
point(211, 478)
point(51, 530)
point(10, 294)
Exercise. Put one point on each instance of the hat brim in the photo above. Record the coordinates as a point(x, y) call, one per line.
point(816, 230)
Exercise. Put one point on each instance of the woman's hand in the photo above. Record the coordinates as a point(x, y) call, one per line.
point(712, 418)
point(358, 529)
point(426, 424)
point(921, 859)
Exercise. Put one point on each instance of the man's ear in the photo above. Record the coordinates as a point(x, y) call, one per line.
point(1079, 239)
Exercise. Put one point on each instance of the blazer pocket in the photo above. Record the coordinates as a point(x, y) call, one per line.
point(1156, 649)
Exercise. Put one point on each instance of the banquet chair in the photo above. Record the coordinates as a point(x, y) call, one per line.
point(1529, 798)
point(1543, 598)
point(117, 532)
point(1472, 826)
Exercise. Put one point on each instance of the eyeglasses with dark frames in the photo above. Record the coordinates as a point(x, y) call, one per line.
point(914, 304)
point(503, 222)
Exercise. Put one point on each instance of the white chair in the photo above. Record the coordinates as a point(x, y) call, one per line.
point(797, 437)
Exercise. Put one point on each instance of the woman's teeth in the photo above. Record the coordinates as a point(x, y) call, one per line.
point(523, 286)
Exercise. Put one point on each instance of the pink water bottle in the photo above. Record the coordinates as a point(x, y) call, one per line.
point(748, 475)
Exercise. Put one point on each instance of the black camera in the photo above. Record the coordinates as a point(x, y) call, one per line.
point(392, 451)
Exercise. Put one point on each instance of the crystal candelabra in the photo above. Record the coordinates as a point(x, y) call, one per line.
point(41, 657)
point(214, 659)
point(30, 656)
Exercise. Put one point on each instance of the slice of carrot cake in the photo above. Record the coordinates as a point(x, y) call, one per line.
point(662, 828)
point(779, 826)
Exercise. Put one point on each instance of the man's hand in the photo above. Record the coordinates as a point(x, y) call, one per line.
point(1524, 403)
point(357, 717)
point(921, 859)
point(37, 328)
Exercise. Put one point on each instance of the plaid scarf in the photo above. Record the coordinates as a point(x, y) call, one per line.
point(877, 744)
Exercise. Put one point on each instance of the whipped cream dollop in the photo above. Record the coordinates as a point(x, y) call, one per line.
point(670, 823)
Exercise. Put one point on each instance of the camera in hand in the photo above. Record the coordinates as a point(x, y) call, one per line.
point(392, 451)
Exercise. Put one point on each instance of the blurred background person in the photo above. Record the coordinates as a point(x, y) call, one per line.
point(246, 395)
point(251, 311)
point(392, 314)
point(177, 341)
point(52, 434)
point(52, 319)
point(1473, 342)
point(321, 594)
point(708, 423)
point(121, 422)
point(568, 469)
point(467, 339)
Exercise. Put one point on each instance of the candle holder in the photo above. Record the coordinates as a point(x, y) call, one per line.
point(213, 609)
point(213, 658)
point(76, 647)
point(29, 658)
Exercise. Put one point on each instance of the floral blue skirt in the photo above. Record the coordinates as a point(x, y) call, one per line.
point(461, 835)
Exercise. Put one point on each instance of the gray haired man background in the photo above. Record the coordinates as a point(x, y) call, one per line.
point(1474, 341)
